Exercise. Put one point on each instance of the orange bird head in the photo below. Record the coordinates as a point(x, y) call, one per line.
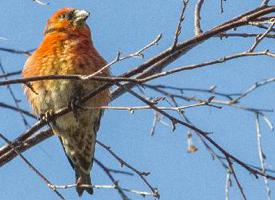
point(68, 20)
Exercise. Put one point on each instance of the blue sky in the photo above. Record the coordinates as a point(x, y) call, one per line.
point(127, 26)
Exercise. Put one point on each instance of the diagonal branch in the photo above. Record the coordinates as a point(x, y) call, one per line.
point(260, 37)
point(32, 167)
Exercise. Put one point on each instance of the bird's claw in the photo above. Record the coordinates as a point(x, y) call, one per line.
point(47, 115)
point(79, 181)
point(74, 105)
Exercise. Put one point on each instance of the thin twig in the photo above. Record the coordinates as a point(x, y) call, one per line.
point(216, 103)
point(261, 37)
point(168, 56)
point(244, 35)
point(41, 3)
point(37, 172)
point(216, 61)
point(202, 133)
point(230, 166)
point(222, 6)
point(132, 108)
point(197, 17)
point(116, 171)
point(16, 101)
point(267, 121)
point(68, 77)
point(17, 51)
point(123, 163)
point(265, 2)
point(118, 188)
point(114, 79)
point(211, 90)
point(142, 193)
point(139, 53)
point(253, 88)
point(262, 157)
point(7, 154)
point(41, 123)
point(136, 80)
point(250, 165)
point(159, 62)
point(261, 24)
point(179, 26)
point(212, 152)
point(227, 184)
point(4, 105)
point(154, 123)
point(6, 75)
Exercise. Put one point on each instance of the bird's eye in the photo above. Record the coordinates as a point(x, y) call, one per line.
point(68, 15)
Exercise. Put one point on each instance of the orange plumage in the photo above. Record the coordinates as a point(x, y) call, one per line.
point(67, 48)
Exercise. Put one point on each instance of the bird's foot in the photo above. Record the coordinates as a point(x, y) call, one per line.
point(79, 181)
point(47, 115)
point(74, 104)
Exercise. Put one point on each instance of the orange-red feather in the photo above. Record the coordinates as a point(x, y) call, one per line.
point(67, 49)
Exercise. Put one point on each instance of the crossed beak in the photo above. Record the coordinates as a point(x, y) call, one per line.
point(81, 15)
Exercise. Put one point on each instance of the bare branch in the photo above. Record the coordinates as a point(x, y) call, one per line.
point(16, 51)
point(157, 63)
point(139, 75)
point(197, 17)
point(211, 90)
point(4, 105)
point(137, 80)
point(262, 156)
point(230, 166)
point(214, 102)
point(217, 61)
point(154, 123)
point(41, 3)
point(265, 2)
point(67, 77)
point(132, 108)
point(222, 6)
point(268, 122)
point(142, 193)
point(37, 172)
point(7, 154)
point(253, 88)
point(16, 101)
point(261, 37)
point(38, 125)
point(244, 35)
point(123, 163)
point(227, 184)
point(202, 133)
point(179, 26)
point(6, 75)
point(260, 23)
point(139, 53)
point(118, 188)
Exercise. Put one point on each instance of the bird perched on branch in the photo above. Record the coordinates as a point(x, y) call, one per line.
point(67, 49)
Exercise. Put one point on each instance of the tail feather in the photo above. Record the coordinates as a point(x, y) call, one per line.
point(85, 179)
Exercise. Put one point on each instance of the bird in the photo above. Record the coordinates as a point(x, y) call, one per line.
point(67, 49)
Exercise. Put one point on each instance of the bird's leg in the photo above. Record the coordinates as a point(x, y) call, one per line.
point(47, 116)
point(74, 104)
point(79, 181)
